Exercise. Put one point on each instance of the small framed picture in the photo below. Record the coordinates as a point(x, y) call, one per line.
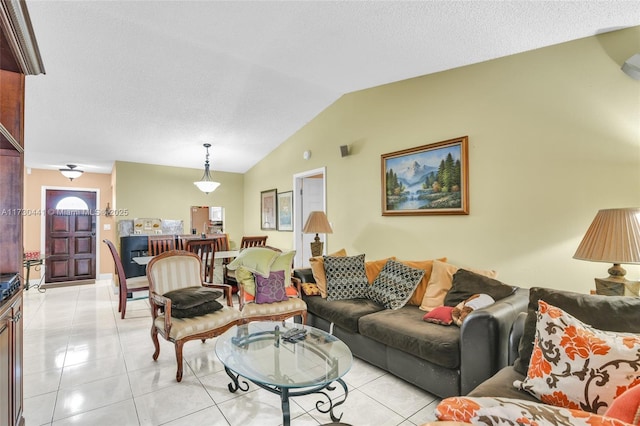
point(427, 180)
point(285, 211)
point(268, 208)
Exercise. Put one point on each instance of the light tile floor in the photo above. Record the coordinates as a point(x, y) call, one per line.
point(83, 365)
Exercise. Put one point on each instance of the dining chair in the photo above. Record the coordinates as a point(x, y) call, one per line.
point(126, 285)
point(168, 274)
point(255, 241)
point(205, 249)
point(161, 243)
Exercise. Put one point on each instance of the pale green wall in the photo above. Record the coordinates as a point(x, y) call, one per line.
point(554, 136)
point(148, 190)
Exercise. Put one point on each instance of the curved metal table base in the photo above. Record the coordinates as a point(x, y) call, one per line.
point(285, 393)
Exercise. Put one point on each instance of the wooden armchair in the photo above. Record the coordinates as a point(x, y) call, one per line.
point(275, 311)
point(126, 286)
point(173, 270)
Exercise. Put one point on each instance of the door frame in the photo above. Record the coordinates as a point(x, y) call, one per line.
point(298, 220)
point(43, 221)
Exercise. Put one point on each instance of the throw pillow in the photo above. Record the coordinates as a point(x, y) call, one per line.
point(194, 301)
point(427, 266)
point(247, 280)
point(612, 313)
point(319, 275)
point(310, 289)
point(494, 411)
point(626, 406)
point(395, 284)
point(256, 259)
point(373, 267)
point(346, 277)
point(574, 365)
point(440, 315)
point(283, 263)
point(271, 289)
point(440, 282)
point(466, 283)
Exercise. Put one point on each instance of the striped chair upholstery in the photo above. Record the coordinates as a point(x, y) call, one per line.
point(173, 270)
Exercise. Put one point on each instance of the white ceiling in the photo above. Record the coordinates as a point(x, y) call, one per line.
point(151, 81)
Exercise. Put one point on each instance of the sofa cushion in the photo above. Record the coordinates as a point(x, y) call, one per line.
point(440, 315)
point(427, 267)
point(192, 302)
point(344, 313)
point(440, 282)
point(505, 411)
point(574, 365)
point(272, 289)
point(626, 406)
point(372, 268)
point(255, 259)
point(317, 268)
point(283, 263)
point(346, 277)
point(466, 283)
point(395, 284)
point(612, 313)
point(405, 330)
point(501, 385)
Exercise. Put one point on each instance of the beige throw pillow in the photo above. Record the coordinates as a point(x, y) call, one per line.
point(317, 267)
point(427, 266)
point(440, 283)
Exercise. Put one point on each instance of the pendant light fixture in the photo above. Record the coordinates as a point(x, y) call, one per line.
point(206, 184)
point(71, 172)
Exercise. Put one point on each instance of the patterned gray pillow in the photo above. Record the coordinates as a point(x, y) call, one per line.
point(395, 284)
point(346, 277)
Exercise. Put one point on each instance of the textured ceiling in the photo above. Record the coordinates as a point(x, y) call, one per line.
point(151, 81)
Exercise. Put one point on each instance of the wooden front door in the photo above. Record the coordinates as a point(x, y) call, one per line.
point(70, 236)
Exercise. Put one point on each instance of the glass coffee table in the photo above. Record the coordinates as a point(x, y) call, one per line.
point(258, 352)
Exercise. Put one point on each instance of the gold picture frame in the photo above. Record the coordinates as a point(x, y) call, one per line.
point(427, 180)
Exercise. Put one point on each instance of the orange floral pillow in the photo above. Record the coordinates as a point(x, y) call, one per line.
point(576, 366)
point(508, 411)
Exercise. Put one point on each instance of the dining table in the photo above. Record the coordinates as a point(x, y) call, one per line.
point(223, 254)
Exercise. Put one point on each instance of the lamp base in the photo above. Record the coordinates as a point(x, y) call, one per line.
point(617, 286)
point(316, 246)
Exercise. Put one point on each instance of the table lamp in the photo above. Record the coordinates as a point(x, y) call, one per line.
point(613, 237)
point(317, 223)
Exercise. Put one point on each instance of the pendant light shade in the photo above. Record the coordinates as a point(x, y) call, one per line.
point(71, 172)
point(206, 184)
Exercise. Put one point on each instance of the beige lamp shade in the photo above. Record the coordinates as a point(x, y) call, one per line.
point(613, 237)
point(317, 223)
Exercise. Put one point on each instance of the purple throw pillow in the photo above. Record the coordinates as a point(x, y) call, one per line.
point(269, 290)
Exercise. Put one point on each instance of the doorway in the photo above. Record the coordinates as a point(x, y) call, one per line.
point(70, 235)
point(310, 188)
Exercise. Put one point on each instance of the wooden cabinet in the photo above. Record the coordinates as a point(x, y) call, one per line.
point(19, 56)
point(11, 377)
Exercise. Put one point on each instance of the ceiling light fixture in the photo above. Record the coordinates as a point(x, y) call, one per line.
point(206, 184)
point(71, 172)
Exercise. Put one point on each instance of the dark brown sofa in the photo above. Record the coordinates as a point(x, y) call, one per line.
point(442, 360)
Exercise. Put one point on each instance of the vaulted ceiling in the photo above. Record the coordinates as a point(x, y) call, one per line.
point(151, 81)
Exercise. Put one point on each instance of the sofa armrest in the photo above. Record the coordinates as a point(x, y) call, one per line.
point(305, 275)
point(484, 339)
point(517, 331)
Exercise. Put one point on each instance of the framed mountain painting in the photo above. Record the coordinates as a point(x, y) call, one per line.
point(427, 180)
